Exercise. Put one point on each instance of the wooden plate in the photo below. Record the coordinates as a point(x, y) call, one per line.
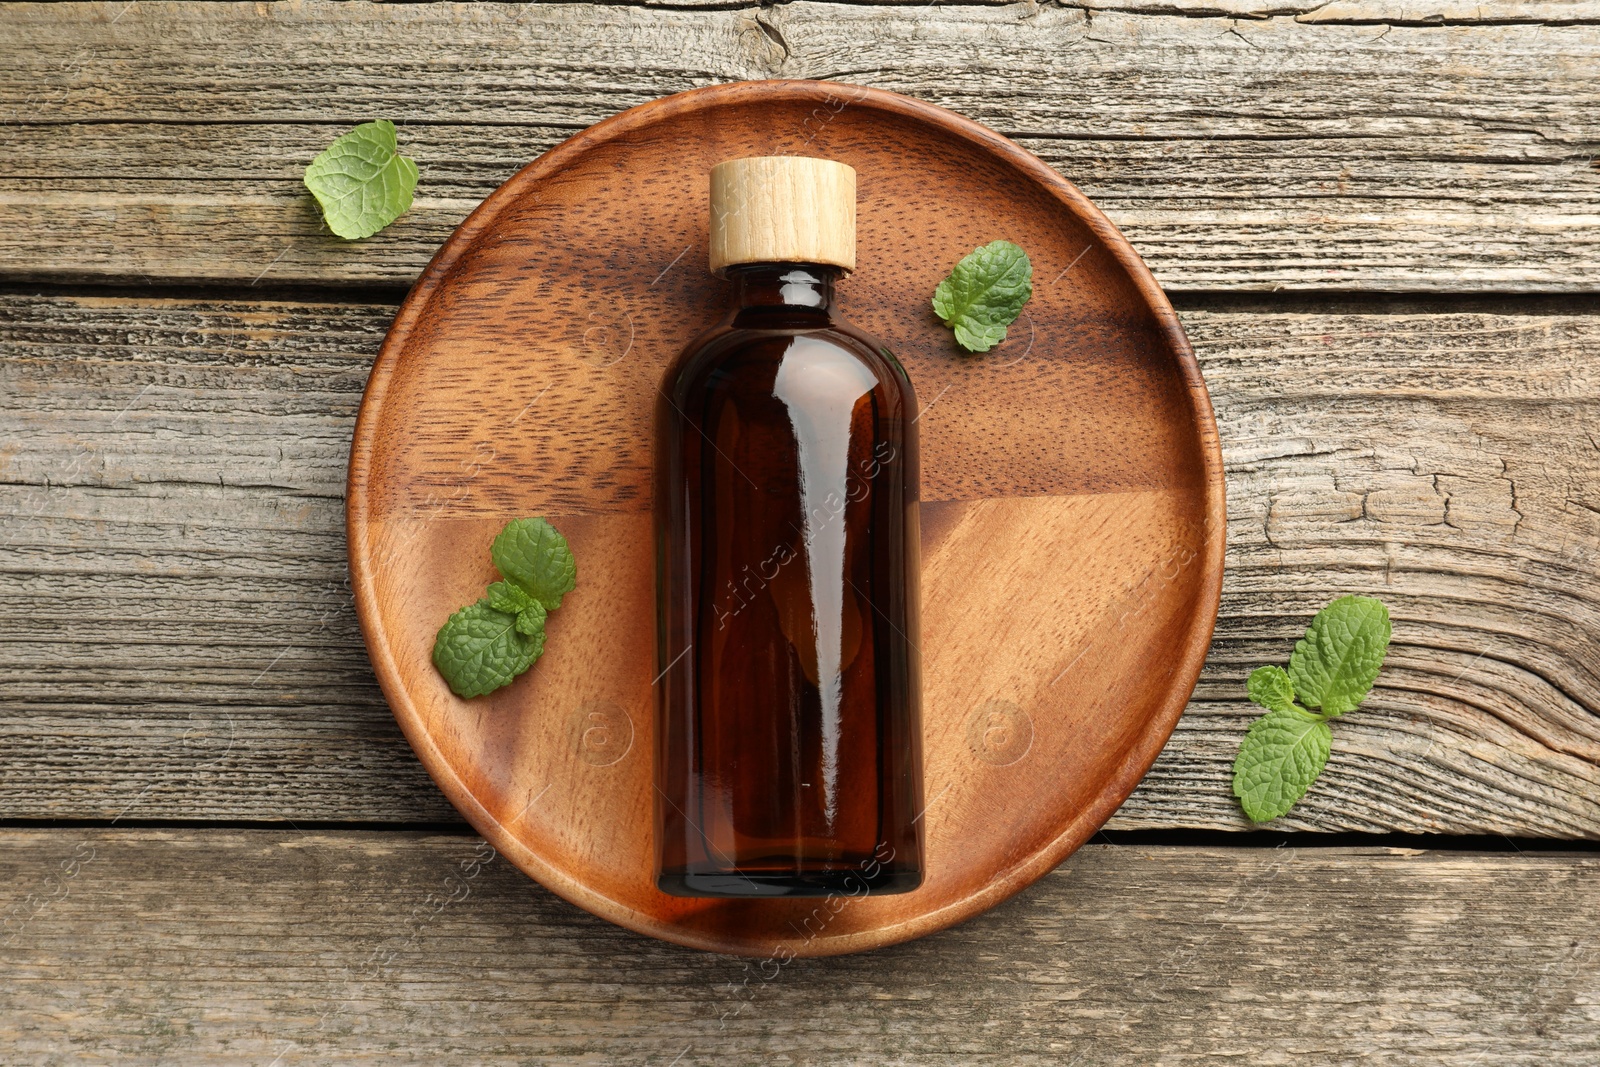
point(1073, 512)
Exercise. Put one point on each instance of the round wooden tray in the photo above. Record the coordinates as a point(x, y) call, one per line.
point(1072, 523)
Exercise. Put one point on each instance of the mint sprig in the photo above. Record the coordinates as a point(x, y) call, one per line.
point(361, 181)
point(484, 646)
point(984, 294)
point(1330, 672)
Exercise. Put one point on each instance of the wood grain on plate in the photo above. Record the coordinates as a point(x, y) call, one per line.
point(1073, 485)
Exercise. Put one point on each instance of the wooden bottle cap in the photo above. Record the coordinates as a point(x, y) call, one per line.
point(783, 209)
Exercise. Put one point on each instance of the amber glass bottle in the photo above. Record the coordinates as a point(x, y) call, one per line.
point(788, 745)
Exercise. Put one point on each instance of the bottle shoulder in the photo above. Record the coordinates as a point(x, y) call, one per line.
point(731, 348)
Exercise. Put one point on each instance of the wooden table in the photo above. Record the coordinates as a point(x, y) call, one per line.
point(1380, 223)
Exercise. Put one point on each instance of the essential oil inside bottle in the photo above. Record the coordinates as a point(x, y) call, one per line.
point(788, 753)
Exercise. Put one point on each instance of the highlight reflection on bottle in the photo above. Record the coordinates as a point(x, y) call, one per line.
point(788, 751)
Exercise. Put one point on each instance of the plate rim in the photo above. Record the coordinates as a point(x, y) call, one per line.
point(1140, 754)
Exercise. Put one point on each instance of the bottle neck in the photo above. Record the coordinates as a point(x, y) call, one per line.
point(789, 286)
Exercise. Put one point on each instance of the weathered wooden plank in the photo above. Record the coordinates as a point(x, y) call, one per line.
point(244, 624)
point(1439, 12)
point(1240, 145)
point(1370, 12)
point(182, 646)
point(138, 946)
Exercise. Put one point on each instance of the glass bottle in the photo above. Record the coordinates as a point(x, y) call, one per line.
point(788, 738)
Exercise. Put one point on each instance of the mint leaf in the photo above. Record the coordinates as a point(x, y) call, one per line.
point(479, 650)
point(1282, 754)
point(1335, 664)
point(531, 553)
point(984, 294)
point(1270, 687)
point(530, 620)
point(361, 181)
point(508, 597)
point(512, 599)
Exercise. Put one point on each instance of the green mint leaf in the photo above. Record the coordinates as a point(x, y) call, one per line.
point(512, 599)
point(1281, 755)
point(1335, 664)
point(984, 294)
point(1270, 687)
point(479, 650)
point(362, 181)
point(531, 553)
point(530, 620)
point(509, 597)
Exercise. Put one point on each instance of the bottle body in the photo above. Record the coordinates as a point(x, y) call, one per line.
point(788, 739)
